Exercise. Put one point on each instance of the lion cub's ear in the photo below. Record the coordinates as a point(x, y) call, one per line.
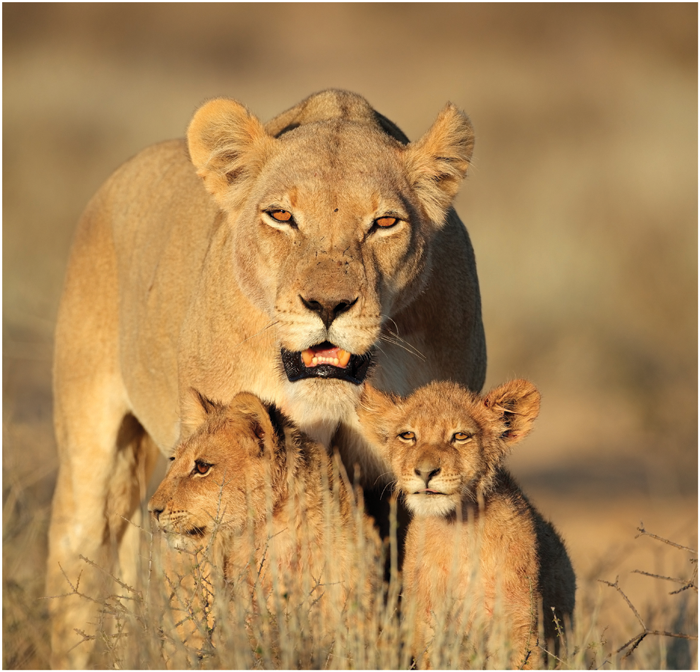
point(437, 163)
point(258, 418)
point(377, 412)
point(196, 408)
point(514, 407)
point(228, 147)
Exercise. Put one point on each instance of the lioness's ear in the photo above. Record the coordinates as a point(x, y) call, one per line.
point(437, 163)
point(514, 406)
point(228, 147)
point(259, 420)
point(376, 413)
point(195, 410)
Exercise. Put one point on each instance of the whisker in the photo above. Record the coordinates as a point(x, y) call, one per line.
point(376, 480)
point(272, 323)
point(394, 340)
point(396, 326)
point(379, 348)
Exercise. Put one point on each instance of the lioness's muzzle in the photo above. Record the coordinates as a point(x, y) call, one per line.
point(353, 372)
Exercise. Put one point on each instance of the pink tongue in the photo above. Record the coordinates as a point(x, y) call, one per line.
point(334, 356)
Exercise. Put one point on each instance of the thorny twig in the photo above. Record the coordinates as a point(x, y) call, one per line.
point(74, 588)
point(631, 606)
point(637, 639)
point(643, 532)
point(114, 578)
point(108, 608)
point(633, 643)
point(685, 583)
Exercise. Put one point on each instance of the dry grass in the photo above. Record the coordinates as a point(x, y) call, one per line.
point(184, 615)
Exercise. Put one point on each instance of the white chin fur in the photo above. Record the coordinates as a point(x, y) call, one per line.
point(318, 405)
point(430, 505)
point(183, 542)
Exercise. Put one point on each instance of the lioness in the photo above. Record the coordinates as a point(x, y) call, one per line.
point(282, 259)
point(268, 501)
point(475, 548)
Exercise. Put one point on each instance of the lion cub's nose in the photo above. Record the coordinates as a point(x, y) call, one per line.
point(155, 511)
point(328, 309)
point(426, 470)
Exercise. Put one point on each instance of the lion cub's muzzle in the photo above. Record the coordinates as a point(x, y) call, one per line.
point(326, 360)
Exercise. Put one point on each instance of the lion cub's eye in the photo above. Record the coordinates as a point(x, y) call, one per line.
point(461, 437)
point(409, 437)
point(280, 215)
point(385, 222)
point(201, 467)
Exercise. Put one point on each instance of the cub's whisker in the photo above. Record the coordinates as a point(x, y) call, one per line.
point(391, 485)
point(382, 475)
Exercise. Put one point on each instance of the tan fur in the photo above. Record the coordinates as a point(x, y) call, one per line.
point(178, 279)
point(272, 509)
point(474, 539)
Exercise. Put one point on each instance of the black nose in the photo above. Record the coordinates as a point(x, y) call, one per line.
point(156, 513)
point(328, 309)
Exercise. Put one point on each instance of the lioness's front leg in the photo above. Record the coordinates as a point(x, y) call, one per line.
point(104, 458)
point(99, 474)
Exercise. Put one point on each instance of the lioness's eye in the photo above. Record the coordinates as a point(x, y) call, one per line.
point(461, 436)
point(385, 222)
point(280, 215)
point(201, 467)
point(407, 436)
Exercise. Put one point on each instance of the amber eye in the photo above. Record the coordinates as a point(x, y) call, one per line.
point(385, 222)
point(407, 436)
point(201, 467)
point(280, 215)
point(461, 436)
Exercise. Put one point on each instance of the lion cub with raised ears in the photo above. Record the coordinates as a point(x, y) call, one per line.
point(273, 504)
point(476, 549)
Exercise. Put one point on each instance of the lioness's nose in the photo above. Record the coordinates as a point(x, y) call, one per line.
point(328, 309)
point(426, 471)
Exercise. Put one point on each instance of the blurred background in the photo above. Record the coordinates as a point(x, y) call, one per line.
point(581, 204)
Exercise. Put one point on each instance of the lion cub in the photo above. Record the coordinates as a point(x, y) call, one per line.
point(476, 549)
point(281, 515)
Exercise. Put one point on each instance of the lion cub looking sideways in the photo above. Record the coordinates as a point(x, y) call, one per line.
point(476, 549)
point(281, 514)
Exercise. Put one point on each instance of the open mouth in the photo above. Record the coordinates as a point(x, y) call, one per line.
point(196, 532)
point(325, 360)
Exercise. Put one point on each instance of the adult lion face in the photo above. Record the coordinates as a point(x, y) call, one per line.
point(331, 222)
